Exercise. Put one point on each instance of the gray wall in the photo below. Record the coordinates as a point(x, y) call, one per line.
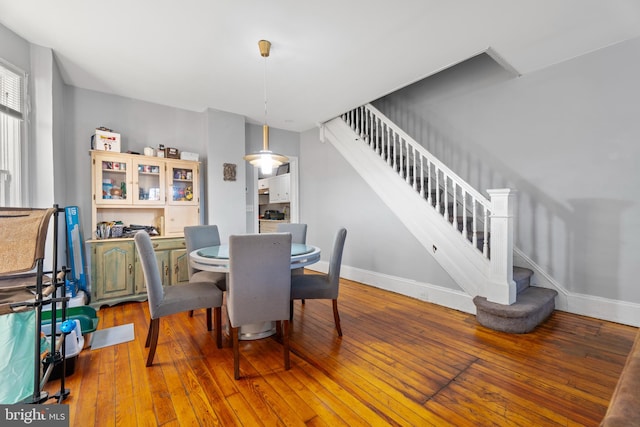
point(140, 124)
point(225, 200)
point(566, 138)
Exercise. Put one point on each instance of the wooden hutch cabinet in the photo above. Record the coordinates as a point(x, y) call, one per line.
point(143, 191)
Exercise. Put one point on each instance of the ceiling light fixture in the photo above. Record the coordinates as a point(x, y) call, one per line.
point(265, 158)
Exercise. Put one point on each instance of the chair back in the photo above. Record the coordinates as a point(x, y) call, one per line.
point(23, 233)
point(336, 258)
point(198, 237)
point(152, 279)
point(298, 231)
point(259, 285)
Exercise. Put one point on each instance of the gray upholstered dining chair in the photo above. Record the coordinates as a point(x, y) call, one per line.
point(259, 286)
point(298, 231)
point(198, 237)
point(298, 235)
point(323, 286)
point(164, 301)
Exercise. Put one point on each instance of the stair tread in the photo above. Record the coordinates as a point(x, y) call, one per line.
point(520, 273)
point(527, 302)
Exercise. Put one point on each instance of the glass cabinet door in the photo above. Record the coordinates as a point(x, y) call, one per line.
point(183, 183)
point(113, 178)
point(149, 182)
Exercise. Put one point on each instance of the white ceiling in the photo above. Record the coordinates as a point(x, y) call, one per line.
point(326, 56)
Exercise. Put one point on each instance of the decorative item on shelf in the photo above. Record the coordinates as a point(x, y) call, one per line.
point(188, 193)
point(161, 150)
point(171, 153)
point(265, 158)
point(229, 171)
point(185, 155)
point(105, 139)
point(149, 151)
point(116, 193)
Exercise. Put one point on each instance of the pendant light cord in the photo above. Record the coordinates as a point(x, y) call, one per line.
point(265, 90)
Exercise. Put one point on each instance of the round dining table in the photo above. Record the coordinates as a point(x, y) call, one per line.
point(216, 258)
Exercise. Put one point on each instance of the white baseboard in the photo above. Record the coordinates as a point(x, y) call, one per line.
point(586, 305)
point(450, 298)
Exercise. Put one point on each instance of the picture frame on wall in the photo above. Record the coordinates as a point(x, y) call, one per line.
point(229, 171)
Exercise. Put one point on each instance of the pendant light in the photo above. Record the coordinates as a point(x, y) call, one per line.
point(265, 158)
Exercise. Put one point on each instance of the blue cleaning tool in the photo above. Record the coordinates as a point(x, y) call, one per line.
point(67, 326)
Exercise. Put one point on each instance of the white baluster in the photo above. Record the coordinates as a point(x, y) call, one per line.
point(421, 176)
point(403, 159)
point(429, 183)
point(437, 189)
point(378, 131)
point(474, 227)
point(464, 213)
point(446, 197)
point(409, 163)
point(368, 125)
point(393, 150)
point(485, 243)
point(392, 138)
point(455, 204)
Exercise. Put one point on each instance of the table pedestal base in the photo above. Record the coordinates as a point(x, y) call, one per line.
point(254, 331)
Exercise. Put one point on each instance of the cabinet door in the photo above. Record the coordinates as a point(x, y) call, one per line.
point(179, 266)
point(182, 183)
point(179, 217)
point(148, 181)
point(112, 180)
point(274, 189)
point(279, 187)
point(285, 188)
point(113, 269)
point(162, 258)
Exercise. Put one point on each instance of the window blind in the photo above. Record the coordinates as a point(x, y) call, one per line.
point(11, 92)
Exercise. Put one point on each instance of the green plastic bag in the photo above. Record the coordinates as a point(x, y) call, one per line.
point(17, 331)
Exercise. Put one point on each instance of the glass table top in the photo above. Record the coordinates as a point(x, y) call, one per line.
point(222, 251)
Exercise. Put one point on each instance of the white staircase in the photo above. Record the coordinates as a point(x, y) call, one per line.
point(453, 221)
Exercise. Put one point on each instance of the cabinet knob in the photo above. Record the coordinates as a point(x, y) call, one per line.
point(155, 245)
point(130, 268)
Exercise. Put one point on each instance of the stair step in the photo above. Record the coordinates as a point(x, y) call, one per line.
point(522, 277)
point(532, 307)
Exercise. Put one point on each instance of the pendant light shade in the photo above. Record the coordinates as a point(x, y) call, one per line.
point(265, 159)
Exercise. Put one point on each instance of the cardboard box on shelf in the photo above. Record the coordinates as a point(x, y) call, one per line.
point(185, 155)
point(105, 141)
point(171, 153)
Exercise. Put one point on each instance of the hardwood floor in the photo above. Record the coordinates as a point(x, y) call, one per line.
point(400, 362)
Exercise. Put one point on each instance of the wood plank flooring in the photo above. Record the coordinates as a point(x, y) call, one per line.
point(401, 362)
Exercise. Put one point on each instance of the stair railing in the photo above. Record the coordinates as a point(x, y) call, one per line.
point(475, 218)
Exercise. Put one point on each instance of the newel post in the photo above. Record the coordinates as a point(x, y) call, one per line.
point(501, 288)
